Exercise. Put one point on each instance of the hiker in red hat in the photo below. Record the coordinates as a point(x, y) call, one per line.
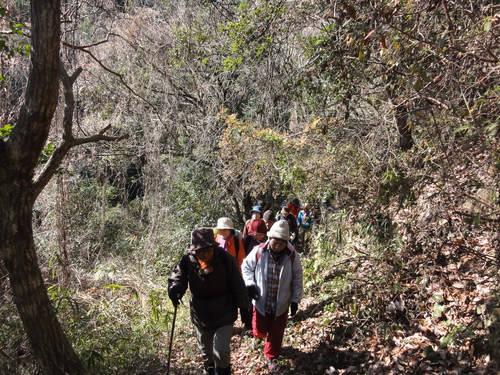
point(256, 235)
point(294, 207)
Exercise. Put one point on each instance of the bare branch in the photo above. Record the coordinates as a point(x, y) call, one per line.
point(436, 102)
point(455, 46)
point(111, 71)
point(68, 140)
point(493, 59)
point(82, 48)
point(99, 137)
point(50, 168)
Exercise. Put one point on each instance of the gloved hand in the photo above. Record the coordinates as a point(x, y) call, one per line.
point(294, 306)
point(253, 292)
point(175, 296)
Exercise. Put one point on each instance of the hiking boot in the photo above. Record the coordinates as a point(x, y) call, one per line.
point(209, 369)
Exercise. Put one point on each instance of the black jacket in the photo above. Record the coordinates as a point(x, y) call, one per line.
point(214, 297)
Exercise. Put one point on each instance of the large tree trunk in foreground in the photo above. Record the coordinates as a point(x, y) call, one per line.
point(18, 158)
point(47, 339)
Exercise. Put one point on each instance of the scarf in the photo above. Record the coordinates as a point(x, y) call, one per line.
point(206, 266)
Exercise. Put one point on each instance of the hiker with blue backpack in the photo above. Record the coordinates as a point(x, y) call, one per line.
point(217, 290)
point(273, 277)
point(304, 222)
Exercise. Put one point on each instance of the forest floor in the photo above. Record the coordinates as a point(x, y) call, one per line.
point(440, 324)
point(422, 299)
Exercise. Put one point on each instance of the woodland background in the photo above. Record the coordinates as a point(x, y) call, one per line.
point(382, 114)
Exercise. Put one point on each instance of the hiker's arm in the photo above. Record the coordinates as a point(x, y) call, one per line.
point(238, 285)
point(297, 279)
point(248, 267)
point(178, 280)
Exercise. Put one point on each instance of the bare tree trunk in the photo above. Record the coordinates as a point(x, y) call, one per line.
point(405, 135)
point(47, 339)
point(401, 117)
point(62, 226)
point(18, 158)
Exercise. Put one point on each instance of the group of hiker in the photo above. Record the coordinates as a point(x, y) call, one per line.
point(257, 272)
point(299, 219)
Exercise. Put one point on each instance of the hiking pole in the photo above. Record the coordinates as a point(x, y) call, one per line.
point(171, 339)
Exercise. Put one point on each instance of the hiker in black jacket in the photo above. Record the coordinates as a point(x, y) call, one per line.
point(217, 290)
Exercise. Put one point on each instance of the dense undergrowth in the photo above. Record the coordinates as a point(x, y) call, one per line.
point(389, 289)
point(381, 115)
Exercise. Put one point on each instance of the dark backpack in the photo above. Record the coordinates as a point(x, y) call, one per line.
point(236, 245)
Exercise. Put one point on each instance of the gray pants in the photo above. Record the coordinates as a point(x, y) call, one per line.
point(215, 345)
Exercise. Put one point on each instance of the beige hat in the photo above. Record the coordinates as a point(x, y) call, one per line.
point(225, 223)
point(279, 230)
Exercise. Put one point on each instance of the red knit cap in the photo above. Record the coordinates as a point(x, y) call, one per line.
point(258, 226)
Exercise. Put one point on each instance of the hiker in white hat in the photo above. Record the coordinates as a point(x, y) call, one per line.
point(226, 238)
point(273, 277)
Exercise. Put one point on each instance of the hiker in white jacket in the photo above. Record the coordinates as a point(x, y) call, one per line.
point(273, 277)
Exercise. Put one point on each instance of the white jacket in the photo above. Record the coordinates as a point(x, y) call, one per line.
point(290, 283)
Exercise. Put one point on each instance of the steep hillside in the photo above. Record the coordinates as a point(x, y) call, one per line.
point(406, 290)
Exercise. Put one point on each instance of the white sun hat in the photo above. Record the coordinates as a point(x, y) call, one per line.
point(224, 223)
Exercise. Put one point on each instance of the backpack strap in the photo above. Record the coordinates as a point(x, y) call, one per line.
point(261, 246)
point(291, 253)
point(236, 245)
point(246, 241)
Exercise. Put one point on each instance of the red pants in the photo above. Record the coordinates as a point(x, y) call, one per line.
point(270, 328)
